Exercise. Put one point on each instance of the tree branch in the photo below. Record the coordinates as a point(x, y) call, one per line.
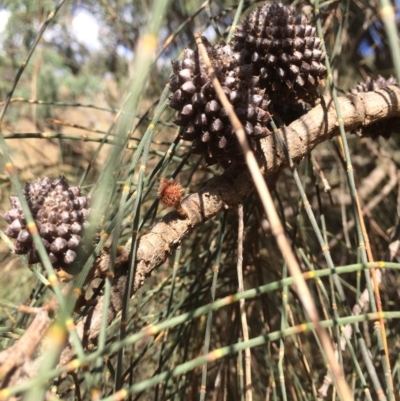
point(229, 189)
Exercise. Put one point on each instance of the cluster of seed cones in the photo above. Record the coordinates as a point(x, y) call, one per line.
point(60, 213)
point(275, 58)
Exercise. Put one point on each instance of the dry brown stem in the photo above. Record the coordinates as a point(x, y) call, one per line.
point(227, 190)
point(15, 357)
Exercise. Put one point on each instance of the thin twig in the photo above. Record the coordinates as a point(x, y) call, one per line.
point(245, 329)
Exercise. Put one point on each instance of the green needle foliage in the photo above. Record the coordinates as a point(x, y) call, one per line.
point(97, 113)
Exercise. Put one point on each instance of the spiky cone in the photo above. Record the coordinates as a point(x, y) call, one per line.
point(284, 51)
point(201, 114)
point(60, 213)
point(370, 84)
point(383, 128)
